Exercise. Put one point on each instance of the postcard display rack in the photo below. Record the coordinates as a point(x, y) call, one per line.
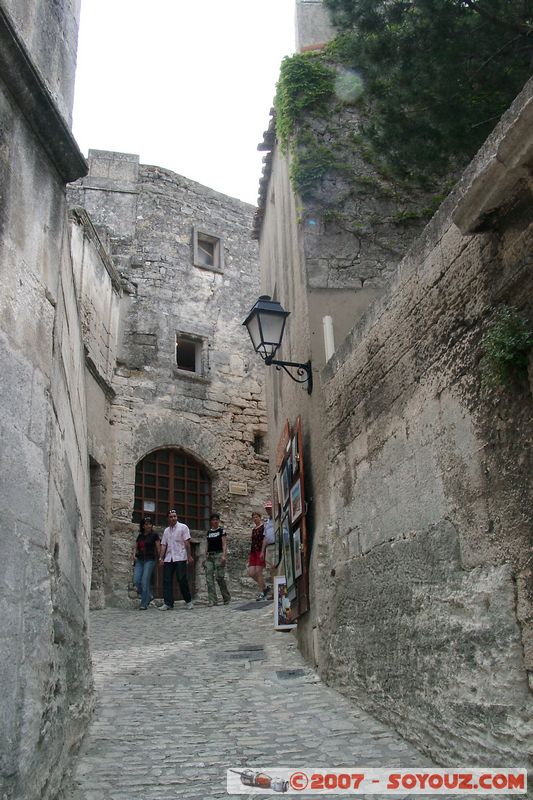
point(290, 524)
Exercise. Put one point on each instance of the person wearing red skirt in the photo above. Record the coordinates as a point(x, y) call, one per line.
point(256, 561)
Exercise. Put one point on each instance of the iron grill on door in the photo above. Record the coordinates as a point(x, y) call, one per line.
point(169, 479)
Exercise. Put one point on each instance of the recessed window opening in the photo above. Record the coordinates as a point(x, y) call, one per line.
point(259, 442)
point(187, 354)
point(206, 252)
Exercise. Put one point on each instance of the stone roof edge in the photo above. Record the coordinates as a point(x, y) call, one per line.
point(191, 181)
point(504, 159)
point(81, 216)
point(269, 140)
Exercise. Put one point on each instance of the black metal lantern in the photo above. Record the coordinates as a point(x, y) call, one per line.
point(266, 325)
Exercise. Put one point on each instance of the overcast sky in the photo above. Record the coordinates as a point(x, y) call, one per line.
point(185, 84)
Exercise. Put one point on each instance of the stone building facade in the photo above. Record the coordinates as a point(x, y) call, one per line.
point(417, 474)
point(45, 546)
point(185, 380)
point(120, 342)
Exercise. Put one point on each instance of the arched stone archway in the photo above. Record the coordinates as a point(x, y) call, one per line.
point(174, 431)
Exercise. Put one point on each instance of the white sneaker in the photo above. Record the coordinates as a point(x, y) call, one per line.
point(189, 605)
point(165, 607)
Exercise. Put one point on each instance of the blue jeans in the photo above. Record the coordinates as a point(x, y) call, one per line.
point(142, 578)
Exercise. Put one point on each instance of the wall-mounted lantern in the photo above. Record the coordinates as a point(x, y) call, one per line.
point(266, 324)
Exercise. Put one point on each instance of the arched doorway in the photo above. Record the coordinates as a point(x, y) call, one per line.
point(170, 478)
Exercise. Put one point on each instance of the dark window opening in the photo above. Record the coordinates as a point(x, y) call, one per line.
point(186, 354)
point(259, 444)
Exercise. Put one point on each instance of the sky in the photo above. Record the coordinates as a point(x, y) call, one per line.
point(185, 84)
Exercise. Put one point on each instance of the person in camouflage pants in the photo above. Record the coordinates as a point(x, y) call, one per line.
point(215, 561)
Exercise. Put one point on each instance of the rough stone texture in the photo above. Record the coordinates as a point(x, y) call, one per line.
point(418, 477)
point(147, 215)
point(99, 294)
point(431, 509)
point(350, 228)
point(44, 546)
point(357, 223)
point(49, 30)
point(159, 666)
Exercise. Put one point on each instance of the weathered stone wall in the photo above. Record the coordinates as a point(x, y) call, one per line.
point(44, 545)
point(353, 225)
point(149, 215)
point(49, 31)
point(426, 593)
point(416, 475)
point(99, 294)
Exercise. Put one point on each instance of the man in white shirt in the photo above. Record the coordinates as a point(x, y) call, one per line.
point(175, 555)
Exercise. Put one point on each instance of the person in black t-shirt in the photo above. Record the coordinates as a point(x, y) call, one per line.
point(145, 552)
point(215, 561)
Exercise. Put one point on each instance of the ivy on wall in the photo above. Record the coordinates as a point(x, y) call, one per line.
point(506, 347)
point(321, 119)
point(438, 73)
point(306, 84)
point(429, 80)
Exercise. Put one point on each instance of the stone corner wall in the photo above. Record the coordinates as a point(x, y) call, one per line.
point(423, 579)
point(45, 545)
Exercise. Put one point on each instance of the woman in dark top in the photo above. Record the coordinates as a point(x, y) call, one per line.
point(256, 561)
point(145, 552)
point(215, 562)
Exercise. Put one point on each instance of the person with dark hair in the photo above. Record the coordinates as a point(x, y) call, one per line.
point(145, 551)
point(256, 561)
point(215, 561)
point(176, 554)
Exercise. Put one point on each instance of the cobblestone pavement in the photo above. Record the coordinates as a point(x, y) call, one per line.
point(181, 696)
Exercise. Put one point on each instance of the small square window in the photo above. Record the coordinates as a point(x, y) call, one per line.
point(208, 251)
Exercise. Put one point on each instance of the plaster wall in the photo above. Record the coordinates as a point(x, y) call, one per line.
point(312, 24)
point(149, 216)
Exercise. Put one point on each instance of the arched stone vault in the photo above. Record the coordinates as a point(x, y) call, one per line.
point(176, 432)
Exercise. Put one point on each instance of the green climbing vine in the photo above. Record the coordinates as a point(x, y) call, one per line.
point(506, 347)
point(314, 124)
point(305, 84)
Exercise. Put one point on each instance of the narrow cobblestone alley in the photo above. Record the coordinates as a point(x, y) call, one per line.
point(183, 695)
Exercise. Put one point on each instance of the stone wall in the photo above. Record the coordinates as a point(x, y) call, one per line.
point(99, 293)
point(426, 603)
point(416, 474)
point(49, 32)
point(312, 24)
point(150, 216)
point(45, 540)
